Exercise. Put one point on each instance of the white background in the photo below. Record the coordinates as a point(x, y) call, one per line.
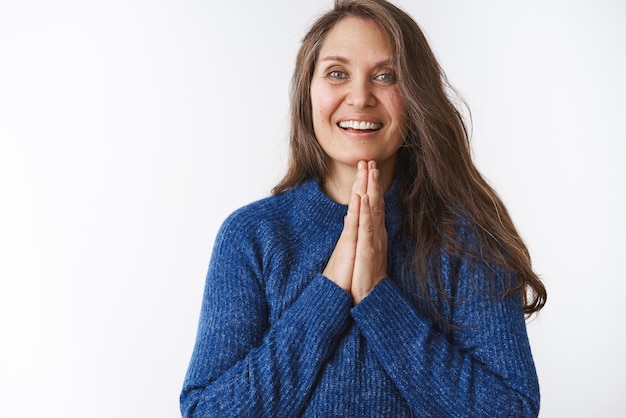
point(130, 129)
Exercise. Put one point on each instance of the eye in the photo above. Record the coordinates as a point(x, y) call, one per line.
point(387, 77)
point(336, 75)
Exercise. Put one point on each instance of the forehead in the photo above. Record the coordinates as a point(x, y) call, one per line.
point(356, 37)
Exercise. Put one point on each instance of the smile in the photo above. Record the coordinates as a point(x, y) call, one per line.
point(360, 125)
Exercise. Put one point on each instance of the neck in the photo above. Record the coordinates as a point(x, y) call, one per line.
point(340, 179)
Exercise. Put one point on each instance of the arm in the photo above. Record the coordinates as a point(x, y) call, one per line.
point(484, 369)
point(242, 365)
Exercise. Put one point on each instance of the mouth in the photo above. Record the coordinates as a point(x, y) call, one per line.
point(359, 126)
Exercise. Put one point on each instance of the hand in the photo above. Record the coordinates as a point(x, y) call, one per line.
point(359, 261)
point(341, 263)
point(370, 265)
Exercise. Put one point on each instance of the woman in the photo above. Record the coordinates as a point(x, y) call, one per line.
point(410, 301)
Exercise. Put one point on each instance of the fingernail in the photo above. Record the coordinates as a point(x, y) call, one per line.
point(372, 165)
point(376, 174)
point(361, 165)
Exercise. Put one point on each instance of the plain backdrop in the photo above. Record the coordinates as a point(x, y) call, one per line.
point(129, 129)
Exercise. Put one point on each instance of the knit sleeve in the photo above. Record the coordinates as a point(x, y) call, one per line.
point(242, 365)
point(483, 368)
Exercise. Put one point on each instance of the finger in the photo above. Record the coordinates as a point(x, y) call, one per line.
point(370, 262)
point(361, 280)
point(340, 266)
point(365, 220)
point(376, 194)
point(360, 185)
point(351, 221)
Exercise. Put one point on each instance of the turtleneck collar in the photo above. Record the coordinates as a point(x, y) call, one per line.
point(322, 210)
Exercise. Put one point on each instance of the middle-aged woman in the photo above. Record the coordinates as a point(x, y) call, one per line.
point(410, 300)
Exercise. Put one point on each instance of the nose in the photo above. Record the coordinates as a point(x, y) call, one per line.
point(360, 94)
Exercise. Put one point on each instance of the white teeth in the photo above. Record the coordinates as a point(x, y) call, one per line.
point(360, 125)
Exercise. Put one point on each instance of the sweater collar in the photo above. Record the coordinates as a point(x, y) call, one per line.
point(322, 209)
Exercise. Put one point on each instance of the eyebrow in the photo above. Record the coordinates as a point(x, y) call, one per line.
point(344, 60)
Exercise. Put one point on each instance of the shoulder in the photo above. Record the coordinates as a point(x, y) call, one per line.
point(255, 217)
point(462, 238)
point(471, 256)
point(247, 237)
point(273, 215)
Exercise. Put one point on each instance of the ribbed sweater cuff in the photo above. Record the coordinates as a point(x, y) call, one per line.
point(325, 305)
point(386, 315)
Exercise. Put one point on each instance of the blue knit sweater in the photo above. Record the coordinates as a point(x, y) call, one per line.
point(278, 339)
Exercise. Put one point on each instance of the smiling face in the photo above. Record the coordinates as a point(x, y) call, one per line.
point(358, 112)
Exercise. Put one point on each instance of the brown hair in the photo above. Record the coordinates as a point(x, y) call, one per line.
point(442, 191)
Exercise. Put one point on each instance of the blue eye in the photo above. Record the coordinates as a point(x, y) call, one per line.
point(386, 77)
point(337, 74)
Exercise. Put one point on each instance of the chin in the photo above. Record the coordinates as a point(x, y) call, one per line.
point(355, 160)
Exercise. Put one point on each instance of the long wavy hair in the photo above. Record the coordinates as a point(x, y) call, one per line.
point(441, 190)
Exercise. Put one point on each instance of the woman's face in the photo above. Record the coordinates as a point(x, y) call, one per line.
point(358, 113)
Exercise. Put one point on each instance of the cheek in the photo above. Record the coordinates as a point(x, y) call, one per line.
point(396, 107)
point(323, 103)
point(317, 113)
